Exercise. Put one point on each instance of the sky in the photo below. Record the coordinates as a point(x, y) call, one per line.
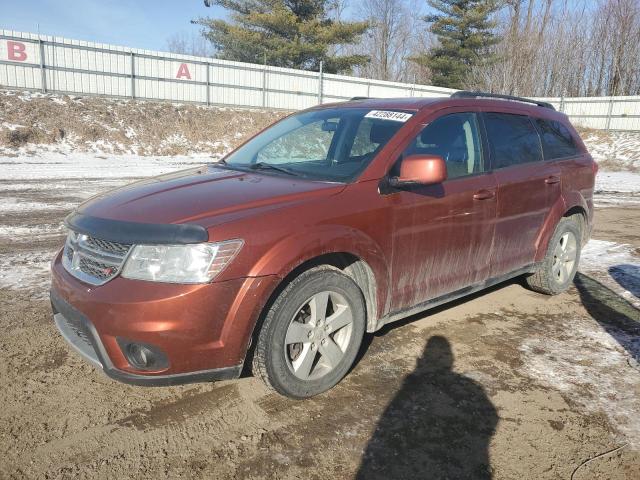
point(134, 23)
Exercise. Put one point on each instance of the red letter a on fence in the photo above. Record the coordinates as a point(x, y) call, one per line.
point(16, 51)
point(183, 71)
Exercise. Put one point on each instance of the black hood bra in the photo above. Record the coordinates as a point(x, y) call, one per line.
point(136, 232)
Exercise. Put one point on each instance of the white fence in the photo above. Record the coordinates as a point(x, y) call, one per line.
point(54, 64)
point(607, 113)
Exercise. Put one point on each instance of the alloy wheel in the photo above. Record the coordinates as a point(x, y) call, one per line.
point(318, 335)
point(564, 257)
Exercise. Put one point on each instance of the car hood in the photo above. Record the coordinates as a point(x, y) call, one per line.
point(206, 195)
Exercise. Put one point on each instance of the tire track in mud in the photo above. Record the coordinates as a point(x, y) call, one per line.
point(201, 419)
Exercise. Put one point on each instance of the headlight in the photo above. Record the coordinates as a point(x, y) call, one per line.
point(198, 263)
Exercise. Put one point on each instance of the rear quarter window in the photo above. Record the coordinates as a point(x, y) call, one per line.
point(513, 139)
point(557, 141)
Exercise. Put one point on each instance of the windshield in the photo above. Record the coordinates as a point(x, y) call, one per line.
point(330, 144)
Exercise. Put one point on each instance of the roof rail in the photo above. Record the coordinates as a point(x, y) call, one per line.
point(467, 94)
point(359, 98)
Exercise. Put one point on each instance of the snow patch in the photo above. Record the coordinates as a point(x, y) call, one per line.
point(30, 232)
point(619, 149)
point(28, 271)
point(592, 367)
point(617, 189)
point(59, 166)
point(130, 132)
point(615, 265)
point(13, 205)
point(10, 126)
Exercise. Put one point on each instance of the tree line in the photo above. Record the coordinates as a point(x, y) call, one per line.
point(517, 47)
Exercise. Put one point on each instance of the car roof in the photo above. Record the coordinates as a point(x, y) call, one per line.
point(420, 103)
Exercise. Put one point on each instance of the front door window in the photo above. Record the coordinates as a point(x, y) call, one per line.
point(455, 138)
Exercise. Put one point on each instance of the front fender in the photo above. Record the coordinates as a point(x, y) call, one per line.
point(294, 250)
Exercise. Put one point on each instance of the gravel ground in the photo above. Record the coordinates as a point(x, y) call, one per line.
point(504, 384)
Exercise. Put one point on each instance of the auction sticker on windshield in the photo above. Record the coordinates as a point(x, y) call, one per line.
point(389, 115)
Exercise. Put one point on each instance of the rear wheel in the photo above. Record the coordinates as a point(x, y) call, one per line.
point(311, 334)
point(558, 268)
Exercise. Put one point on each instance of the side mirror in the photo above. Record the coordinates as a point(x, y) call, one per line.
point(421, 170)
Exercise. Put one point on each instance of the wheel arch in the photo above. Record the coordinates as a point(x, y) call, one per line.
point(355, 268)
point(576, 205)
point(348, 263)
point(581, 214)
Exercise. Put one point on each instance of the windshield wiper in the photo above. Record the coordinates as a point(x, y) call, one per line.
point(270, 166)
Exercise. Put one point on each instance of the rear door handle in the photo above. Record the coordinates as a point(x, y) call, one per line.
point(484, 194)
point(552, 179)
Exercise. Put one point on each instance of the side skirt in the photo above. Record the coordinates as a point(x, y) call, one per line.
point(450, 297)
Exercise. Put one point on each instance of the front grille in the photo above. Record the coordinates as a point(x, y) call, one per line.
point(96, 269)
point(107, 246)
point(93, 260)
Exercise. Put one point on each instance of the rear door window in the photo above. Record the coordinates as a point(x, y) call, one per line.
point(557, 141)
point(513, 139)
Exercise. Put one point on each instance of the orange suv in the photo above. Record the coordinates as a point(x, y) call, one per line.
point(331, 223)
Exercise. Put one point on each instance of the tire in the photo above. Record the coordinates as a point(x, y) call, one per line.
point(555, 273)
point(302, 369)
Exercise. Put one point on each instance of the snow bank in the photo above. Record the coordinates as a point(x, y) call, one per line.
point(616, 151)
point(617, 189)
point(32, 123)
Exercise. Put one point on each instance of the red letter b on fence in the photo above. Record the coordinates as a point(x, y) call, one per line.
point(16, 51)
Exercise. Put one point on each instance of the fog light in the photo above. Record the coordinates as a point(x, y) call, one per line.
point(140, 355)
point(143, 356)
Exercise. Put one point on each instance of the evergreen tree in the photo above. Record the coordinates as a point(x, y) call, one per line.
point(289, 33)
point(464, 30)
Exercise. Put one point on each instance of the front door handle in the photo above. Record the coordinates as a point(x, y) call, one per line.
point(552, 179)
point(484, 194)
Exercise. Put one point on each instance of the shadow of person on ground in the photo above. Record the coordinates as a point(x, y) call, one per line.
point(617, 316)
point(438, 425)
point(627, 276)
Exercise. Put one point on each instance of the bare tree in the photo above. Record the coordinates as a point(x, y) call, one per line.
point(393, 37)
point(337, 9)
point(561, 47)
point(190, 44)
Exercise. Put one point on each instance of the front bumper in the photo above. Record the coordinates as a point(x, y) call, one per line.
point(80, 333)
point(203, 330)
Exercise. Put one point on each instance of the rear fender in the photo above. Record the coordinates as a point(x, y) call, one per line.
point(557, 211)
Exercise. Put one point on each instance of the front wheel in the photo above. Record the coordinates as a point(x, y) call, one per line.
point(311, 334)
point(558, 268)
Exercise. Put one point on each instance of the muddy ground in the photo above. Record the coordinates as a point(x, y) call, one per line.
point(507, 384)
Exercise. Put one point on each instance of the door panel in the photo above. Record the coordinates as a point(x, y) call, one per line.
point(442, 238)
point(527, 189)
point(524, 199)
point(443, 233)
